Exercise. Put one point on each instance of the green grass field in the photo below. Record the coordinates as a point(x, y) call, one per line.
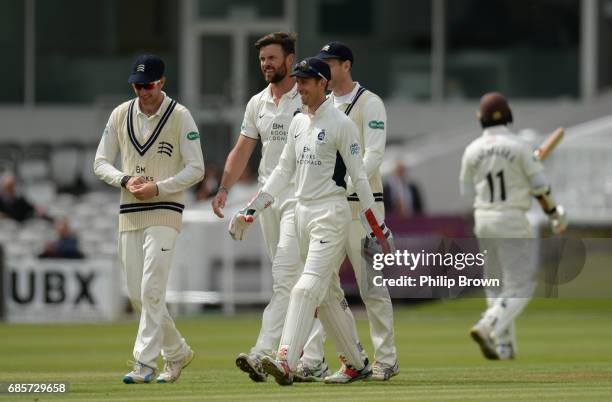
point(565, 354)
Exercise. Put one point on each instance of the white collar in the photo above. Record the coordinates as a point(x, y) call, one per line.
point(350, 96)
point(497, 130)
point(292, 93)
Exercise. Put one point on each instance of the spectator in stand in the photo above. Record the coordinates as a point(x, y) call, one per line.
point(65, 246)
point(15, 206)
point(402, 196)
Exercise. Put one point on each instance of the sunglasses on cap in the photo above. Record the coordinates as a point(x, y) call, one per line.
point(305, 68)
point(147, 85)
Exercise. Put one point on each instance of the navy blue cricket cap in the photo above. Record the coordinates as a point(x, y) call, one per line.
point(312, 67)
point(147, 68)
point(336, 50)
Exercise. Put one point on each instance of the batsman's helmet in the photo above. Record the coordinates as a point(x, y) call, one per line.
point(494, 110)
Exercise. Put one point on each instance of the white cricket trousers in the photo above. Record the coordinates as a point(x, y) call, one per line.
point(375, 298)
point(146, 256)
point(278, 228)
point(507, 237)
point(321, 227)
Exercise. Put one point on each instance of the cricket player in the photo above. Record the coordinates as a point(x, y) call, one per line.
point(161, 156)
point(501, 173)
point(322, 145)
point(266, 119)
point(368, 112)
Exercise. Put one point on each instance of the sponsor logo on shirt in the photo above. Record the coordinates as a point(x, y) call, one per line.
point(355, 149)
point(193, 135)
point(308, 157)
point(278, 133)
point(376, 125)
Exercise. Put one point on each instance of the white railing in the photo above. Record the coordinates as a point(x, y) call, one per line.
point(211, 268)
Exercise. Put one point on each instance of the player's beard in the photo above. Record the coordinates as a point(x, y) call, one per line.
point(279, 74)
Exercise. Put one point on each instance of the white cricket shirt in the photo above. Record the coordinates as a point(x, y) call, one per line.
point(372, 125)
point(190, 150)
point(321, 148)
point(270, 123)
point(499, 165)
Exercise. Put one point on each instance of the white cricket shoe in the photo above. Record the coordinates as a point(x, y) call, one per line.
point(141, 374)
point(482, 337)
point(505, 351)
point(384, 372)
point(306, 373)
point(172, 369)
point(279, 369)
point(251, 364)
point(348, 374)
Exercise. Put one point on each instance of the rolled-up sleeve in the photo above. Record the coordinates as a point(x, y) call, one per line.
point(248, 127)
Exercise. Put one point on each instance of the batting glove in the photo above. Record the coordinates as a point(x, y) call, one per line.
point(244, 218)
point(379, 236)
point(558, 220)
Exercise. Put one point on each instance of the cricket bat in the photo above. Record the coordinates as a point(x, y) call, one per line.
point(549, 144)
